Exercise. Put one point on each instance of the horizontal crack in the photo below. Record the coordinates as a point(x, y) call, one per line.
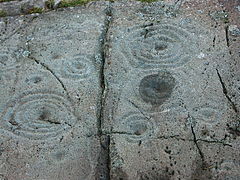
point(117, 132)
point(234, 131)
point(177, 137)
point(214, 141)
point(51, 122)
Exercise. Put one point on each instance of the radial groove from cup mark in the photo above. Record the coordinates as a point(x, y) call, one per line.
point(137, 127)
point(38, 115)
point(157, 46)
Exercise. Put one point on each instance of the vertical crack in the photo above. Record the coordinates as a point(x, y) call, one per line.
point(103, 167)
point(195, 140)
point(214, 41)
point(103, 53)
point(226, 35)
point(196, 143)
point(227, 39)
point(225, 92)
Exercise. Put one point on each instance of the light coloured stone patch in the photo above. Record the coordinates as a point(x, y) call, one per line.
point(234, 30)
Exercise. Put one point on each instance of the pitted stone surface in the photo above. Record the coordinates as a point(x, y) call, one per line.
point(50, 92)
point(168, 98)
point(121, 90)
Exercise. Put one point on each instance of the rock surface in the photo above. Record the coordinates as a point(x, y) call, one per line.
point(122, 90)
point(50, 93)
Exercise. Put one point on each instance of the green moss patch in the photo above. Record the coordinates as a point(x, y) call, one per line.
point(2, 13)
point(148, 1)
point(5, 0)
point(67, 3)
point(49, 4)
point(35, 10)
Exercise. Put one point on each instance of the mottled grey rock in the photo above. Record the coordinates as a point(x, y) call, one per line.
point(168, 104)
point(234, 30)
point(50, 94)
point(123, 90)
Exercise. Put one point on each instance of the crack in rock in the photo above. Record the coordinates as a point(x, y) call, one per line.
point(195, 138)
point(225, 92)
point(52, 72)
point(103, 53)
point(138, 108)
point(214, 141)
point(104, 161)
point(196, 143)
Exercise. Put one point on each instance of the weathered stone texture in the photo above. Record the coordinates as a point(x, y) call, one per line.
point(122, 90)
point(50, 94)
point(169, 106)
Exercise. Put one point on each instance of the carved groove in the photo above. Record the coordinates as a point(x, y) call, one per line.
point(157, 46)
point(38, 115)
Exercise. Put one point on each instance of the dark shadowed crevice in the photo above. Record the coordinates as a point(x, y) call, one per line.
point(103, 52)
point(214, 41)
point(196, 143)
point(103, 167)
point(214, 142)
point(103, 164)
point(226, 34)
point(227, 39)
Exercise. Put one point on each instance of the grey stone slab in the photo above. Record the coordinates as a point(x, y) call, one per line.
point(167, 93)
point(233, 40)
point(133, 90)
point(50, 94)
point(11, 26)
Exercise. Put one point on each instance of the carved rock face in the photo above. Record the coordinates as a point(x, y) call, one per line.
point(49, 94)
point(156, 88)
point(120, 91)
